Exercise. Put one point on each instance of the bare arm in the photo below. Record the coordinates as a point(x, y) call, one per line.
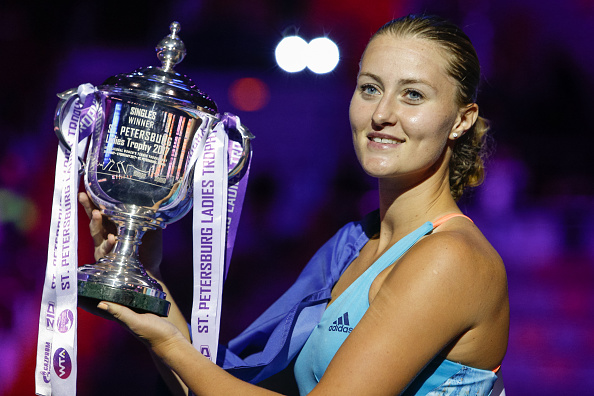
point(425, 303)
point(175, 317)
point(199, 373)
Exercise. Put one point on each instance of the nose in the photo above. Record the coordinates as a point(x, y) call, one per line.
point(385, 113)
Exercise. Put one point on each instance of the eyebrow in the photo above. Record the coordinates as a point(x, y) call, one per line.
point(402, 81)
point(371, 75)
point(407, 81)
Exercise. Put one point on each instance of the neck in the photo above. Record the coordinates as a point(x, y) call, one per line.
point(403, 207)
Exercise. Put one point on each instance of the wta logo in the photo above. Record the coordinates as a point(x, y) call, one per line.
point(62, 363)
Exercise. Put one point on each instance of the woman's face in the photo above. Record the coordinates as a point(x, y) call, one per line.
point(404, 108)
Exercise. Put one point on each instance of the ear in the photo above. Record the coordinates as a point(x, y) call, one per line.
point(467, 116)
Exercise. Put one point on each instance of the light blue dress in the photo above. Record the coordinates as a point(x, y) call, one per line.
point(440, 377)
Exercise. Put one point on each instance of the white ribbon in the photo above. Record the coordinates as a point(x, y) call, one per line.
point(55, 373)
point(209, 236)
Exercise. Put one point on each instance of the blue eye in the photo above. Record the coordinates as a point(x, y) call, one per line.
point(369, 89)
point(413, 95)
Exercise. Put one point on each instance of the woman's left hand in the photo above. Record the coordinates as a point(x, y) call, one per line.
point(160, 334)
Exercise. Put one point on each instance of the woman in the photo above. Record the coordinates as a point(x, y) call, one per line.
point(421, 305)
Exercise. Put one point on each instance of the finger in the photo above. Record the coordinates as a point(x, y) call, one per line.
point(102, 241)
point(139, 324)
point(105, 247)
point(98, 232)
point(120, 312)
point(86, 203)
point(123, 314)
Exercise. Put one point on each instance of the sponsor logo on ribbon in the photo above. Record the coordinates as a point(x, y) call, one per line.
point(65, 321)
point(50, 313)
point(45, 373)
point(62, 363)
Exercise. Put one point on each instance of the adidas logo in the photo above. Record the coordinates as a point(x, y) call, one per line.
point(341, 324)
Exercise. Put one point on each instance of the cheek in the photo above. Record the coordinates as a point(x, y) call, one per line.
point(429, 123)
point(351, 117)
point(354, 114)
point(417, 123)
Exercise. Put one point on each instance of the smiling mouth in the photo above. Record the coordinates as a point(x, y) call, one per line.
point(384, 140)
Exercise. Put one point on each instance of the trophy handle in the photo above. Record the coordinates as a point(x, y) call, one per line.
point(231, 122)
point(65, 98)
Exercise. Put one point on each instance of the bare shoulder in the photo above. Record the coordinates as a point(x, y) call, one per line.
point(460, 245)
point(458, 257)
point(453, 283)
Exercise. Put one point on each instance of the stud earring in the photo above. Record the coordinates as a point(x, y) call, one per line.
point(454, 135)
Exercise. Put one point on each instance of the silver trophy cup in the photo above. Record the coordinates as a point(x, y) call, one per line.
point(139, 168)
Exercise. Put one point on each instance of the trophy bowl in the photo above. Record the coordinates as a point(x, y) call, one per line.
point(142, 155)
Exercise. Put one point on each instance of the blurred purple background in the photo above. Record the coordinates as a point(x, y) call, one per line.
point(535, 207)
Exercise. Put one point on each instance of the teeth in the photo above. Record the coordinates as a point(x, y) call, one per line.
point(380, 140)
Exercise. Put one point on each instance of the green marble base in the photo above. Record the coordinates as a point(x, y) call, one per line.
point(90, 294)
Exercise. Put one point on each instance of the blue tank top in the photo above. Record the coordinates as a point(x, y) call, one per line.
point(440, 377)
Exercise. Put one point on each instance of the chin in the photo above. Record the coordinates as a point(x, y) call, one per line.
point(378, 168)
point(379, 173)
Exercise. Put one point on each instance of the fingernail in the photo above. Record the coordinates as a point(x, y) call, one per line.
point(103, 306)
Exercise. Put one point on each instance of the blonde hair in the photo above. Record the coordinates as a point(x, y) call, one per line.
point(467, 164)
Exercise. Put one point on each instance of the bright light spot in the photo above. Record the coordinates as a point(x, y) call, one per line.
point(323, 55)
point(291, 54)
point(249, 94)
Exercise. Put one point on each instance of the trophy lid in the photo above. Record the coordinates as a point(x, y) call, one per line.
point(163, 84)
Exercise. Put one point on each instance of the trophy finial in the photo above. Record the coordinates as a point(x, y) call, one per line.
point(171, 50)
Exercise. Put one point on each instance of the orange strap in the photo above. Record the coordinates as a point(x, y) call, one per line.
point(445, 218)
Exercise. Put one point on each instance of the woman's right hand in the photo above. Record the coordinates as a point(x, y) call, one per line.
point(102, 230)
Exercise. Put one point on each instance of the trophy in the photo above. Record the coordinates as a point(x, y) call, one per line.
point(140, 165)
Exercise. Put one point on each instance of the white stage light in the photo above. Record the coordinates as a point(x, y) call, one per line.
point(323, 55)
point(291, 54)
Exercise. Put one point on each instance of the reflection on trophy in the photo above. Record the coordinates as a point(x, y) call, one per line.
point(139, 168)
